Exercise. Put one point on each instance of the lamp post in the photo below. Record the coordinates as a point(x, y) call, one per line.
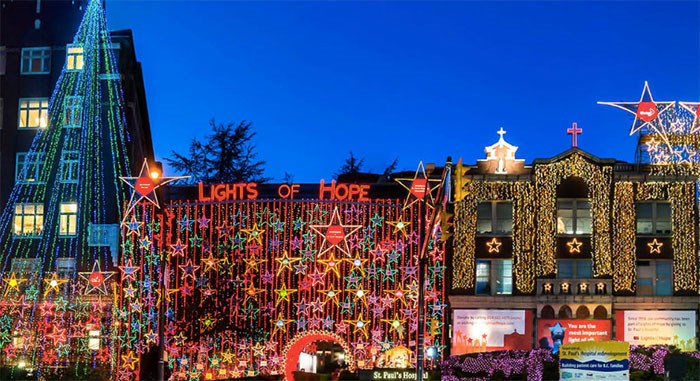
point(426, 233)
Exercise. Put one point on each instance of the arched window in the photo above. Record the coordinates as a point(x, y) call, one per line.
point(582, 312)
point(565, 312)
point(600, 312)
point(547, 312)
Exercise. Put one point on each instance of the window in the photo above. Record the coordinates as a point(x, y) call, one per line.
point(494, 217)
point(574, 269)
point(36, 60)
point(29, 220)
point(68, 219)
point(65, 265)
point(93, 337)
point(72, 112)
point(25, 265)
point(28, 167)
point(33, 112)
point(654, 278)
point(654, 218)
point(494, 276)
point(573, 216)
point(68, 166)
point(74, 57)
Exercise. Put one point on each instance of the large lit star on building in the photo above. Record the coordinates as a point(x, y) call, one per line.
point(254, 233)
point(360, 325)
point(694, 109)
point(646, 112)
point(144, 186)
point(96, 279)
point(335, 234)
point(418, 187)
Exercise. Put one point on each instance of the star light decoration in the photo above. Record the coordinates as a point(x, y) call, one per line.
point(574, 246)
point(494, 245)
point(144, 187)
point(418, 187)
point(646, 112)
point(335, 234)
point(96, 279)
point(53, 283)
point(694, 109)
point(655, 246)
point(13, 283)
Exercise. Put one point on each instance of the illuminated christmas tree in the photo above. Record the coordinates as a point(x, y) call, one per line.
point(59, 230)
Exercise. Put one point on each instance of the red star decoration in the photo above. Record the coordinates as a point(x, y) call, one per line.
point(96, 279)
point(335, 234)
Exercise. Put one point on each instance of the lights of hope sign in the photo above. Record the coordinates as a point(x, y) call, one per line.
point(591, 360)
point(490, 330)
point(657, 327)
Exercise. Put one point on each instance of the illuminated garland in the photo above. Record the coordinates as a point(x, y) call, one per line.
point(685, 260)
point(56, 314)
point(599, 181)
point(624, 253)
point(464, 265)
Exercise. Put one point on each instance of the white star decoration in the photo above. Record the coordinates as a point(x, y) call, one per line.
point(144, 187)
point(419, 187)
point(334, 234)
point(646, 112)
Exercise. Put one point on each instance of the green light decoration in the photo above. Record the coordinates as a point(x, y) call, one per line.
point(59, 229)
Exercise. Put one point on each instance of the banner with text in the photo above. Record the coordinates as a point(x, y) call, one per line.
point(552, 333)
point(491, 330)
point(591, 360)
point(657, 327)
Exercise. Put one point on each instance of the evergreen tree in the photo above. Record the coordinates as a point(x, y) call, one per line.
point(227, 156)
point(352, 166)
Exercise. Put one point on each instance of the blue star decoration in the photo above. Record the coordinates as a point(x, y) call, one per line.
point(144, 187)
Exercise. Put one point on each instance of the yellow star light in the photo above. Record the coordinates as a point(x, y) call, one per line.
point(574, 246)
point(494, 245)
point(210, 262)
point(418, 187)
point(395, 324)
point(285, 262)
point(400, 294)
point(284, 293)
point(332, 264)
point(252, 292)
point(360, 325)
point(399, 226)
point(334, 234)
point(13, 283)
point(359, 294)
point(357, 263)
point(53, 284)
point(331, 294)
point(280, 324)
point(254, 234)
point(655, 246)
point(253, 264)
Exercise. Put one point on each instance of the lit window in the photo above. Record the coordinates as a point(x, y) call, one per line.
point(68, 167)
point(574, 216)
point(654, 277)
point(496, 275)
point(574, 269)
point(36, 60)
point(28, 166)
point(33, 113)
point(72, 112)
point(654, 218)
point(74, 57)
point(94, 336)
point(483, 277)
point(68, 219)
point(29, 220)
point(494, 217)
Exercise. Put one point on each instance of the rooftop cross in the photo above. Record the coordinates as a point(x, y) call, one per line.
point(574, 131)
point(501, 132)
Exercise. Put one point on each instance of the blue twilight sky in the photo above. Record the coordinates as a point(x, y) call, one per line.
point(408, 80)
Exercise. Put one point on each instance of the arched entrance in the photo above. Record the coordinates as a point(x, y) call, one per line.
point(293, 349)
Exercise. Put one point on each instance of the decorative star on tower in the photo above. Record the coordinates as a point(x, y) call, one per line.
point(144, 187)
point(96, 279)
point(646, 112)
point(418, 187)
point(335, 234)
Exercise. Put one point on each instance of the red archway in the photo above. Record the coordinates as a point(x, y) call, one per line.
point(301, 340)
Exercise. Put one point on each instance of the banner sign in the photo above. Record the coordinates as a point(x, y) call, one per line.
point(657, 327)
point(552, 333)
point(491, 330)
point(591, 360)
